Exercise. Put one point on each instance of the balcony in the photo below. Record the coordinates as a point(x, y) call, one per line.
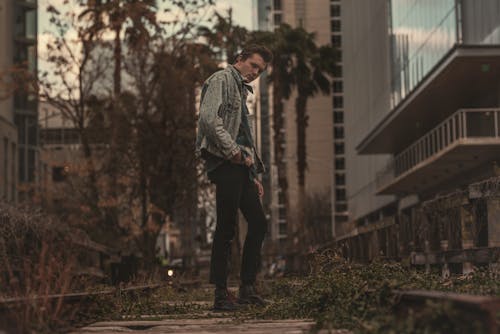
point(28, 3)
point(445, 89)
point(467, 139)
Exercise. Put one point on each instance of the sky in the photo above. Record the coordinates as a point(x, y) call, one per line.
point(244, 11)
point(244, 14)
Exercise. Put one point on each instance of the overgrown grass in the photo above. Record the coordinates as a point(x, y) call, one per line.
point(358, 297)
point(36, 258)
point(336, 295)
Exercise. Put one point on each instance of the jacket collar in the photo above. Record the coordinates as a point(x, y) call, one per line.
point(239, 78)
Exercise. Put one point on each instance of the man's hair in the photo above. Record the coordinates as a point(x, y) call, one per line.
point(261, 50)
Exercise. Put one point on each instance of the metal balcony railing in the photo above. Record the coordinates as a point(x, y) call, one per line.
point(463, 124)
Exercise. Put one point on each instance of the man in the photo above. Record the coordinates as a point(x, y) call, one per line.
point(231, 161)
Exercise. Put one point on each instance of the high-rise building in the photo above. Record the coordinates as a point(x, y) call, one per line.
point(422, 90)
point(314, 17)
point(340, 213)
point(18, 110)
point(264, 105)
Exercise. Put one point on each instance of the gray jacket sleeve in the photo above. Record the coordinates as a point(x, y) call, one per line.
point(212, 107)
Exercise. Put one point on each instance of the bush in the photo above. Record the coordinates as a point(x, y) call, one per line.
point(37, 260)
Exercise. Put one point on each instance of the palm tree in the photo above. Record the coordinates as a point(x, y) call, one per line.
point(312, 66)
point(298, 64)
point(281, 43)
point(225, 37)
point(136, 15)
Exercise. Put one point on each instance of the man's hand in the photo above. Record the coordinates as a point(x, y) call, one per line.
point(248, 161)
point(237, 158)
point(259, 186)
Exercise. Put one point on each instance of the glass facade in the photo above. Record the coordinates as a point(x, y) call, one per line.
point(422, 32)
point(25, 102)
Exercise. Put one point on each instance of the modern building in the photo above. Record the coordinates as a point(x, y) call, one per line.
point(340, 212)
point(18, 33)
point(18, 112)
point(8, 131)
point(270, 201)
point(60, 153)
point(315, 17)
point(422, 100)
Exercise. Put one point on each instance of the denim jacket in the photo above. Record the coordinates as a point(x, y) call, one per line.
point(222, 98)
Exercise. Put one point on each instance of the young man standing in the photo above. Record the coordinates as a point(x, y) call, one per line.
point(232, 163)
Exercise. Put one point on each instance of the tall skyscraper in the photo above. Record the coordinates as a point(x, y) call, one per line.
point(315, 17)
point(340, 213)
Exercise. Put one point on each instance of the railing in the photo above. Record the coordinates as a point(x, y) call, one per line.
point(465, 123)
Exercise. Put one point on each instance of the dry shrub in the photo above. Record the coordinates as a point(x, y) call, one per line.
point(37, 261)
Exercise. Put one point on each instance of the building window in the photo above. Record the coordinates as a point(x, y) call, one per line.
point(337, 71)
point(337, 56)
point(6, 166)
point(282, 229)
point(338, 102)
point(277, 19)
point(277, 5)
point(22, 164)
point(336, 41)
point(281, 197)
point(59, 136)
point(26, 23)
point(340, 163)
point(13, 181)
point(339, 148)
point(31, 164)
point(340, 194)
point(338, 117)
point(338, 86)
point(338, 132)
point(340, 207)
point(32, 129)
point(335, 10)
point(335, 25)
point(339, 179)
point(282, 212)
point(341, 218)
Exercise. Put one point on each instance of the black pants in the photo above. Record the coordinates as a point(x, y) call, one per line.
point(235, 190)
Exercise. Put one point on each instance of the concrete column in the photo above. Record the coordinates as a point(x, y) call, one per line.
point(445, 272)
point(493, 205)
point(467, 225)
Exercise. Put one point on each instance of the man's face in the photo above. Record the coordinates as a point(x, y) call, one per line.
point(251, 68)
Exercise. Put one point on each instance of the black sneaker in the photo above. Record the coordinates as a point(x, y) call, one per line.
point(225, 301)
point(248, 295)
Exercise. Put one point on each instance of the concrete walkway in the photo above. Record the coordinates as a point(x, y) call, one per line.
point(220, 325)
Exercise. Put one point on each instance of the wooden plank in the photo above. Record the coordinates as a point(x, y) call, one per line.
point(485, 308)
point(474, 255)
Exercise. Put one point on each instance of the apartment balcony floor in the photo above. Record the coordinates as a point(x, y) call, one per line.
point(460, 157)
point(466, 140)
